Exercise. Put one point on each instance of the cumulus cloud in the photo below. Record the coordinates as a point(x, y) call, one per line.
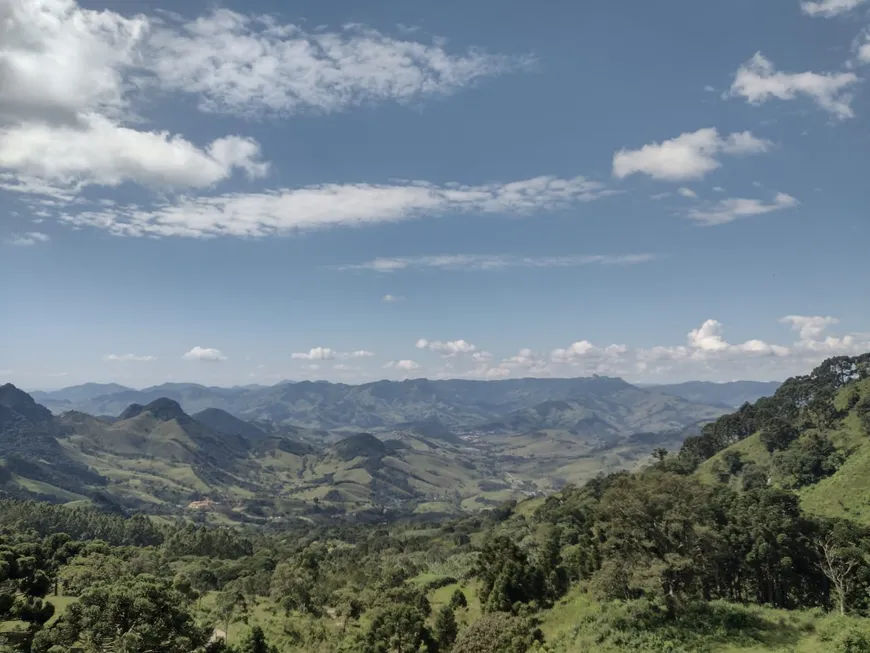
point(690, 155)
point(809, 327)
point(449, 349)
point(27, 239)
point(132, 358)
point(728, 210)
point(829, 8)
point(392, 299)
point(204, 354)
point(332, 205)
point(99, 152)
point(58, 60)
point(362, 353)
point(67, 96)
point(403, 365)
point(687, 192)
point(251, 65)
point(705, 354)
point(477, 262)
point(758, 81)
point(316, 354)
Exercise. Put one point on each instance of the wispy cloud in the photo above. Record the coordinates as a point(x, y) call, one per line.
point(327, 353)
point(829, 8)
point(449, 348)
point(250, 65)
point(128, 358)
point(332, 205)
point(493, 262)
point(392, 299)
point(688, 156)
point(27, 239)
point(728, 210)
point(758, 81)
point(74, 78)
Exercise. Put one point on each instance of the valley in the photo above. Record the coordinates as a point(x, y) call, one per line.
point(321, 450)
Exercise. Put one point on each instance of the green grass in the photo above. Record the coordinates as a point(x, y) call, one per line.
point(847, 493)
point(60, 603)
point(40, 487)
point(578, 623)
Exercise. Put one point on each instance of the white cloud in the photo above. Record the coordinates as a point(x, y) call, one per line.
point(251, 65)
point(332, 205)
point(66, 74)
point(404, 365)
point(316, 354)
point(809, 327)
point(392, 299)
point(493, 262)
point(129, 358)
point(27, 239)
point(705, 354)
point(204, 354)
point(103, 153)
point(58, 60)
point(687, 192)
point(758, 81)
point(448, 349)
point(829, 8)
point(362, 353)
point(728, 210)
point(690, 155)
point(861, 47)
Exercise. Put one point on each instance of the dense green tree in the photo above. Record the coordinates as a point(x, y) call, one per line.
point(777, 434)
point(457, 599)
point(397, 629)
point(445, 628)
point(807, 461)
point(141, 615)
point(254, 641)
point(656, 537)
point(507, 576)
point(498, 633)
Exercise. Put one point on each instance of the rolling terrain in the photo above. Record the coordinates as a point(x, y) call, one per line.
point(321, 449)
point(383, 405)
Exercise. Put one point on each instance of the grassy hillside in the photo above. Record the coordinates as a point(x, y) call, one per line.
point(845, 492)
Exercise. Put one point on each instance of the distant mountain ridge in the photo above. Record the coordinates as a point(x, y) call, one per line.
point(381, 405)
point(732, 394)
point(449, 445)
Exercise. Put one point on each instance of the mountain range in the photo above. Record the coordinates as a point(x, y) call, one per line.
point(383, 404)
point(322, 448)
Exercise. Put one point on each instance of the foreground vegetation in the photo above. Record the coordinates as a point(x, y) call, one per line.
point(726, 546)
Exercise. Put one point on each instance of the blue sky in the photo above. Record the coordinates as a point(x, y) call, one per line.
point(350, 191)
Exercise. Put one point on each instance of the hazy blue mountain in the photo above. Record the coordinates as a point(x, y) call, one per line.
point(78, 393)
point(732, 394)
point(382, 405)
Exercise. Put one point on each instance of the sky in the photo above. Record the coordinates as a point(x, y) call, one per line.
point(250, 192)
